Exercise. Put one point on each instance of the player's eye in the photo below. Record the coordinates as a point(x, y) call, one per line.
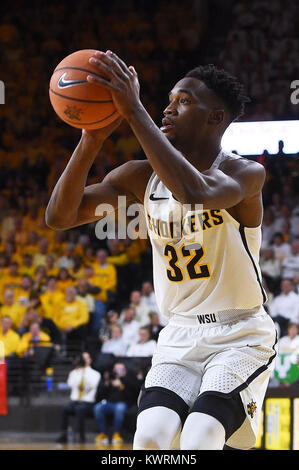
point(184, 100)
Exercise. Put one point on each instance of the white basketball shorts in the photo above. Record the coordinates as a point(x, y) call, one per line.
point(223, 353)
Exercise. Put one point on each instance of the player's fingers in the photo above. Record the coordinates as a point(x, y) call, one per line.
point(100, 64)
point(113, 64)
point(132, 69)
point(120, 62)
point(101, 81)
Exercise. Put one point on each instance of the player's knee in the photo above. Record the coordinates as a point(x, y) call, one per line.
point(153, 435)
point(202, 432)
point(152, 438)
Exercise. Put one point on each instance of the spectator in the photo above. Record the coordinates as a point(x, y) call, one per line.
point(27, 267)
point(22, 294)
point(93, 281)
point(11, 308)
point(154, 327)
point(116, 345)
point(89, 257)
point(83, 293)
point(40, 258)
point(105, 272)
point(141, 307)
point(46, 325)
point(32, 220)
point(84, 382)
point(129, 325)
point(117, 256)
point(285, 307)
point(40, 279)
point(11, 280)
point(145, 346)
point(268, 227)
point(77, 270)
point(290, 265)
point(149, 298)
point(72, 316)
point(8, 337)
point(117, 392)
point(34, 337)
point(100, 285)
point(289, 343)
point(51, 267)
point(32, 243)
point(67, 260)
point(106, 325)
point(86, 293)
point(51, 298)
point(64, 280)
point(294, 222)
point(270, 267)
point(280, 248)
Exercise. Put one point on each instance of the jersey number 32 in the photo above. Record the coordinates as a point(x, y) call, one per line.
point(193, 269)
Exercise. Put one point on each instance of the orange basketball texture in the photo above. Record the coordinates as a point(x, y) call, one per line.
point(75, 100)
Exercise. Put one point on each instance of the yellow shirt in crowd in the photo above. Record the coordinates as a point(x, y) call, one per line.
point(63, 285)
point(72, 314)
point(27, 271)
point(14, 311)
point(9, 282)
point(50, 302)
point(26, 342)
point(11, 341)
point(105, 278)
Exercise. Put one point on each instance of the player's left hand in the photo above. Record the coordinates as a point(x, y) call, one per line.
point(122, 81)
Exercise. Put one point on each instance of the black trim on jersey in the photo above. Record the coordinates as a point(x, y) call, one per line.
point(230, 413)
point(243, 237)
point(160, 396)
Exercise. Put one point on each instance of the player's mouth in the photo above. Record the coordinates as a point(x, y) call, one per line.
point(167, 125)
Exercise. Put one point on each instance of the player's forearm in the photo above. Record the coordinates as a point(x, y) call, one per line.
point(67, 195)
point(173, 169)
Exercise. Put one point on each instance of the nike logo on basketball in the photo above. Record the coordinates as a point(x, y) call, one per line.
point(153, 198)
point(208, 318)
point(62, 83)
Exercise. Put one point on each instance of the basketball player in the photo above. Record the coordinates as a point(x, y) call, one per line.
point(214, 358)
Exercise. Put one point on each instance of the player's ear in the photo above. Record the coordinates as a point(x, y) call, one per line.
point(216, 117)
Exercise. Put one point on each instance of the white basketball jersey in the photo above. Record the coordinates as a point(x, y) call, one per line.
point(204, 261)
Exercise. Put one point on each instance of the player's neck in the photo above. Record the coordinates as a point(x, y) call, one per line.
point(204, 155)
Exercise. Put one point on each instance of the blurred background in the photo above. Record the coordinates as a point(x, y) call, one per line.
point(70, 303)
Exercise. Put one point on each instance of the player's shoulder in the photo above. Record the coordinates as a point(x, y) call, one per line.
point(236, 165)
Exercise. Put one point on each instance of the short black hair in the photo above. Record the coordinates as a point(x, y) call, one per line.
point(224, 85)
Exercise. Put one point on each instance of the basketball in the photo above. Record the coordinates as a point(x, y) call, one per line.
point(76, 101)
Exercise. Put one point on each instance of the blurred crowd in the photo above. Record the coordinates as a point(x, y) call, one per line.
point(163, 40)
point(33, 139)
point(262, 50)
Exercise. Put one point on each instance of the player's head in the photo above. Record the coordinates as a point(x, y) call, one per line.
point(228, 91)
point(203, 104)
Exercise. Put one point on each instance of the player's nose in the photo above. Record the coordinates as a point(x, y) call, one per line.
point(170, 110)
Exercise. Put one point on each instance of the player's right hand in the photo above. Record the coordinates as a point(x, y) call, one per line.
point(99, 135)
